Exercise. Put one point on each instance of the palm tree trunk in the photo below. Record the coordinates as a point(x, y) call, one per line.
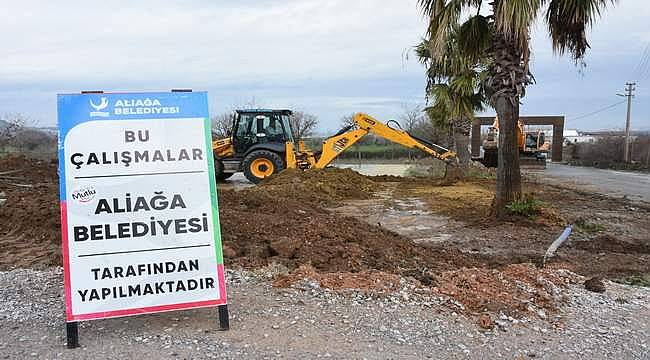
point(508, 172)
point(509, 79)
point(461, 142)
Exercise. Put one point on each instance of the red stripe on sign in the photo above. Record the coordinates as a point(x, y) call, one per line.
point(66, 261)
point(222, 282)
point(149, 310)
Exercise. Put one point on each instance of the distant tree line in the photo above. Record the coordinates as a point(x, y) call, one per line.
point(18, 138)
point(607, 153)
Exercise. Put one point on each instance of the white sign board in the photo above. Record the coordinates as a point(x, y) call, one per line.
point(139, 209)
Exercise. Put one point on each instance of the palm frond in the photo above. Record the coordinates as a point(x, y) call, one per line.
point(568, 21)
point(439, 116)
point(423, 52)
point(431, 7)
point(475, 37)
point(514, 19)
point(441, 25)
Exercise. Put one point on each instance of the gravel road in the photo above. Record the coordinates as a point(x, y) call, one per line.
point(309, 322)
point(634, 185)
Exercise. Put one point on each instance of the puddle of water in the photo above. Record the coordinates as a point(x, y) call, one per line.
point(235, 182)
point(408, 217)
point(439, 238)
point(376, 169)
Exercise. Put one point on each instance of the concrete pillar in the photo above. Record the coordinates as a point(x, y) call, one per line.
point(558, 139)
point(476, 138)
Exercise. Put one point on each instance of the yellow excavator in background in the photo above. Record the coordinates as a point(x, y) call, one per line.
point(533, 147)
point(261, 144)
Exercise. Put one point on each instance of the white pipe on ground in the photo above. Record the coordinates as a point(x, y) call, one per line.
point(550, 252)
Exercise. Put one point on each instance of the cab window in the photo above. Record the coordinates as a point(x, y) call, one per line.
point(244, 126)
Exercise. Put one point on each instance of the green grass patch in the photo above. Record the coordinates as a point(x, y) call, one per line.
point(481, 174)
point(527, 207)
point(635, 280)
point(585, 226)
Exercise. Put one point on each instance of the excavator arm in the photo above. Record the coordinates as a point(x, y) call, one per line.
point(366, 124)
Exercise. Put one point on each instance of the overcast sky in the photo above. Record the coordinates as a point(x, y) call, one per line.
point(330, 58)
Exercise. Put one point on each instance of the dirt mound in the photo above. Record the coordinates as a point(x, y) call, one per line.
point(20, 169)
point(609, 243)
point(323, 186)
point(280, 221)
point(29, 218)
point(515, 289)
point(294, 233)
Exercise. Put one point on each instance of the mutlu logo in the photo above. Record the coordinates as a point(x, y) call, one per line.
point(102, 105)
point(84, 195)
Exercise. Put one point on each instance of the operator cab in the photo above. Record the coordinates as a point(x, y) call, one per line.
point(256, 145)
point(534, 141)
point(258, 126)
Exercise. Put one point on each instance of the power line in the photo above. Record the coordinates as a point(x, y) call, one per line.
point(596, 112)
point(646, 71)
point(642, 66)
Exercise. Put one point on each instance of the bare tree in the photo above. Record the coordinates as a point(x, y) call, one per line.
point(412, 116)
point(10, 125)
point(348, 121)
point(222, 124)
point(303, 124)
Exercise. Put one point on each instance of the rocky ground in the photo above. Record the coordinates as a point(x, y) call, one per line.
point(306, 321)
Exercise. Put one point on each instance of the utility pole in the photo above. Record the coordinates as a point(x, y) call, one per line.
point(629, 94)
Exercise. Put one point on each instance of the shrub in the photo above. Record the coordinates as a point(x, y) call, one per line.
point(528, 207)
point(585, 226)
point(635, 280)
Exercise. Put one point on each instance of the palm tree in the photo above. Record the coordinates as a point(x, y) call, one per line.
point(454, 85)
point(503, 36)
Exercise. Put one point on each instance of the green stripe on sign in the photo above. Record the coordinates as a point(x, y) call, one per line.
point(213, 191)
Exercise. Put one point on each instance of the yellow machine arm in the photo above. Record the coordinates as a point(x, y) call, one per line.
point(366, 124)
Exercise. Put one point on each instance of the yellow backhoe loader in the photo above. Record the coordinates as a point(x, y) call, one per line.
point(261, 144)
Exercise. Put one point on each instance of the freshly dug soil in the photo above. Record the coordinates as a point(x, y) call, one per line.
point(280, 221)
point(610, 243)
point(30, 232)
point(28, 170)
point(293, 233)
point(284, 221)
point(319, 186)
point(512, 289)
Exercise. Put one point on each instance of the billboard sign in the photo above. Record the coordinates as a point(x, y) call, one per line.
point(139, 215)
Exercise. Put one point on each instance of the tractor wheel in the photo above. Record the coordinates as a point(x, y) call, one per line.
point(219, 175)
point(261, 164)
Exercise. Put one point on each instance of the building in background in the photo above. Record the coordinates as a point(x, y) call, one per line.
point(573, 136)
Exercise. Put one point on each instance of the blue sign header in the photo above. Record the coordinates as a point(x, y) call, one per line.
point(74, 109)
